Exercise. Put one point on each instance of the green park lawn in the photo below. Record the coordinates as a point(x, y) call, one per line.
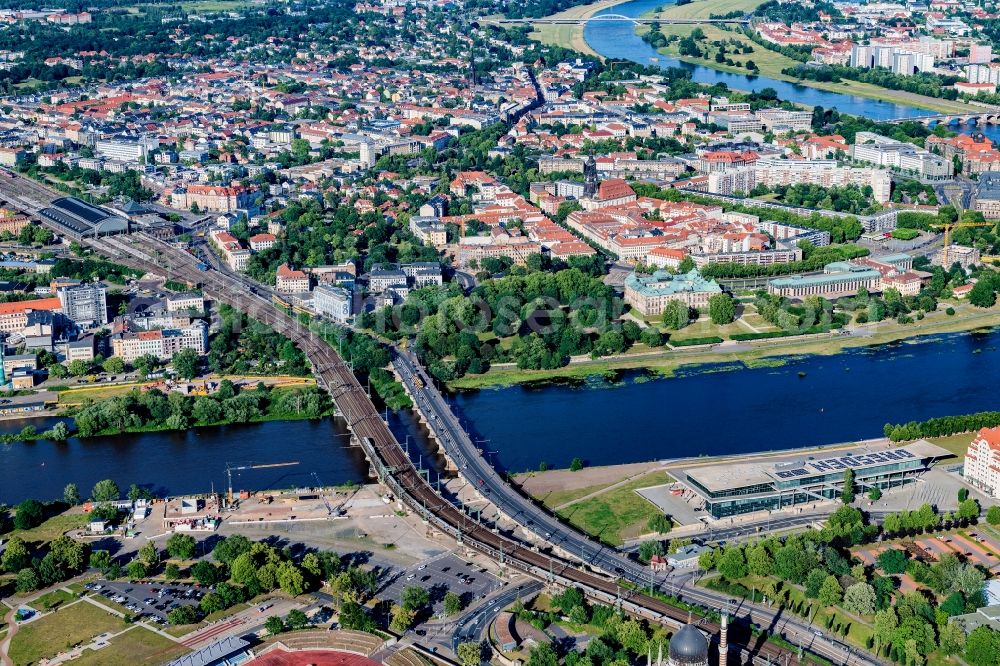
point(61, 630)
point(617, 514)
point(138, 646)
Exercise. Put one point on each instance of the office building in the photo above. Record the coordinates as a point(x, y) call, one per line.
point(163, 344)
point(649, 295)
point(768, 486)
point(333, 302)
point(85, 304)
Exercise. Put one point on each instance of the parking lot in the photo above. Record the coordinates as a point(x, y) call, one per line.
point(152, 601)
point(443, 574)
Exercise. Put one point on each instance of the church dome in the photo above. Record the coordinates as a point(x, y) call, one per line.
point(688, 647)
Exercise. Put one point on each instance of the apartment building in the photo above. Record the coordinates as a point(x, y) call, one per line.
point(163, 344)
point(500, 243)
point(825, 173)
point(900, 156)
point(232, 251)
point(291, 281)
point(126, 149)
point(429, 230)
point(185, 303)
point(982, 461)
point(16, 316)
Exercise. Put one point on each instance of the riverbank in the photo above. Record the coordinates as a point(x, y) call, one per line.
point(571, 36)
point(771, 63)
point(752, 354)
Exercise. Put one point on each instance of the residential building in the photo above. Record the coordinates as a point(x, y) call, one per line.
point(261, 242)
point(500, 243)
point(429, 230)
point(162, 344)
point(186, 302)
point(333, 302)
point(982, 462)
point(423, 274)
point(291, 281)
point(825, 173)
point(231, 249)
point(209, 198)
point(16, 316)
point(649, 295)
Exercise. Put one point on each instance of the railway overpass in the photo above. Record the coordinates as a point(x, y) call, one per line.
point(397, 472)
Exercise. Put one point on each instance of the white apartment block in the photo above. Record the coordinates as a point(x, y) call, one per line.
point(332, 302)
point(982, 461)
point(825, 173)
point(162, 344)
point(887, 152)
point(127, 150)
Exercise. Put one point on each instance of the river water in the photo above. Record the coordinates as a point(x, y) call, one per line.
point(840, 398)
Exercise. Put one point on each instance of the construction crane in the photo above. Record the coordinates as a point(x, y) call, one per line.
point(231, 468)
point(947, 235)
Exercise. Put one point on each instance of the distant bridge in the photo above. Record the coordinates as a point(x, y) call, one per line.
point(980, 118)
point(614, 17)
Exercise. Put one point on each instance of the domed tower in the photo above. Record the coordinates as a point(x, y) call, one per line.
point(688, 647)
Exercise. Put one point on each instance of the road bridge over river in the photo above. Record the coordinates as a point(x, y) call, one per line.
point(609, 18)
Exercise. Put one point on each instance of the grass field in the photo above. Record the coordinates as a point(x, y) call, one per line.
point(956, 444)
point(138, 646)
point(560, 497)
point(617, 514)
point(61, 630)
point(53, 600)
point(52, 528)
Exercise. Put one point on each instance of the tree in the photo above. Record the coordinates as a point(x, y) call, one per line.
point(860, 599)
point(675, 315)
point(183, 615)
point(660, 523)
point(230, 548)
point(892, 561)
point(470, 654)
point(148, 554)
point(951, 639)
point(26, 581)
point(136, 569)
point(732, 565)
point(543, 655)
point(569, 599)
point(28, 514)
point(185, 362)
point(78, 368)
point(647, 549)
point(16, 556)
point(100, 559)
point(721, 309)
point(814, 581)
point(181, 546)
point(290, 579)
point(759, 562)
point(830, 593)
point(576, 465)
point(274, 625)
point(105, 491)
point(353, 616)
point(172, 572)
point(993, 515)
point(402, 618)
point(206, 573)
point(114, 365)
point(452, 603)
point(296, 619)
point(875, 494)
point(982, 647)
point(847, 494)
point(71, 494)
point(982, 295)
point(415, 597)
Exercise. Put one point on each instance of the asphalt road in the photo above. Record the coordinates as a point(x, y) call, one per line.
point(471, 625)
